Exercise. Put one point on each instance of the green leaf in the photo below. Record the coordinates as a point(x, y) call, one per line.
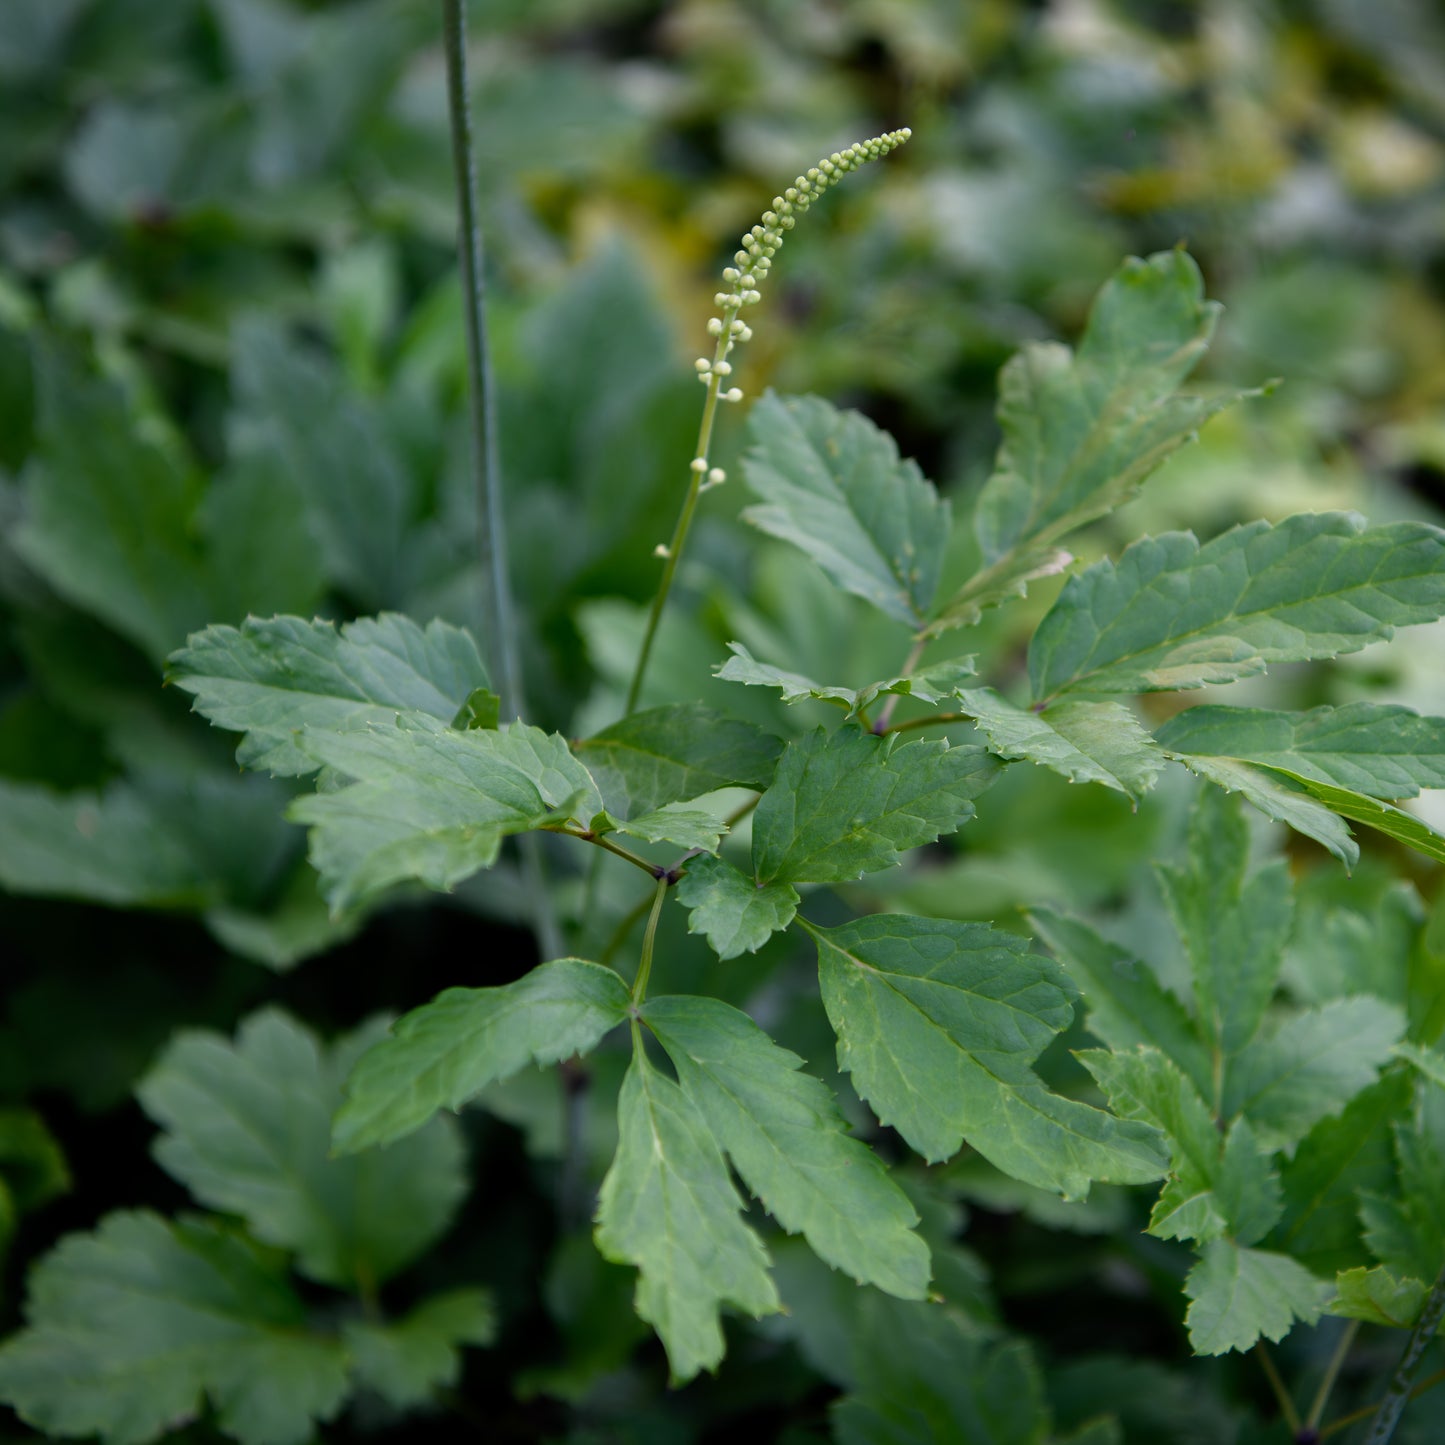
point(1310, 1066)
point(1083, 432)
point(1402, 1228)
point(850, 803)
point(833, 485)
point(790, 1144)
point(271, 678)
point(447, 1051)
point(248, 1129)
point(1394, 822)
point(939, 1022)
point(481, 708)
point(669, 1207)
point(672, 754)
point(431, 803)
point(1380, 750)
point(1172, 614)
point(673, 823)
point(1430, 1062)
point(735, 914)
point(1234, 927)
point(931, 684)
point(130, 1327)
point(1378, 1298)
point(1240, 1295)
point(32, 1163)
point(1127, 1004)
point(1273, 796)
point(406, 1361)
point(1086, 742)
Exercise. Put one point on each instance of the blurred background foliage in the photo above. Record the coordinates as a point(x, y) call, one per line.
point(232, 380)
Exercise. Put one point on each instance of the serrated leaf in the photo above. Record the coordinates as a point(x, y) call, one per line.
point(269, 678)
point(734, 913)
point(131, 1327)
point(790, 1144)
point(849, 803)
point(669, 1207)
point(1378, 1298)
point(1394, 822)
point(671, 754)
point(407, 1360)
point(1380, 750)
point(1430, 1062)
point(447, 1051)
point(1127, 1004)
point(1241, 1295)
point(675, 823)
point(1276, 799)
point(1310, 1066)
point(1085, 742)
point(1402, 1228)
point(1171, 614)
point(481, 708)
point(247, 1130)
point(1081, 433)
point(432, 803)
point(834, 486)
point(938, 1024)
point(931, 684)
point(1234, 927)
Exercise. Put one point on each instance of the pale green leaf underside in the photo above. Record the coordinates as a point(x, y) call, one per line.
point(849, 803)
point(1082, 432)
point(671, 754)
point(1172, 614)
point(734, 913)
point(131, 1327)
point(833, 485)
point(938, 1023)
point(430, 803)
point(1378, 1298)
point(1240, 1295)
point(445, 1052)
point(1086, 742)
point(1376, 749)
point(674, 823)
point(669, 1207)
point(247, 1130)
point(930, 685)
point(407, 1360)
point(270, 678)
point(1384, 817)
point(790, 1144)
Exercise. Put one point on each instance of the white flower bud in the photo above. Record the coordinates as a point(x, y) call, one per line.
point(703, 365)
point(723, 368)
point(714, 326)
point(698, 464)
point(733, 394)
point(662, 550)
point(716, 477)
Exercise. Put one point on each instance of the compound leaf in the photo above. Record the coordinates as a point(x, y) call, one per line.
point(1171, 614)
point(790, 1144)
point(445, 1052)
point(669, 1207)
point(672, 754)
point(1376, 749)
point(735, 914)
point(406, 1361)
point(432, 803)
point(1081, 433)
point(1393, 822)
point(1086, 742)
point(850, 803)
point(271, 677)
point(247, 1130)
point(1240, 1295)
point(834, 486)
point(939, 1022)
point(1376, 1296)
point(131, 1327)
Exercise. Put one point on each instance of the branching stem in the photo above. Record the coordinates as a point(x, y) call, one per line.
point(1282, 1395)
point(1387, 1416)
point(915, 656)
point(644, 968)
point(601, 841)
point(1332, 1372)
point(937, 719)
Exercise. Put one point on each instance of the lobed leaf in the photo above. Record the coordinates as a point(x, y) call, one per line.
point(131, 1328)
point(833, 485)
point(939, 1022)
point(270, 678)
point(1082, 432)
point(1242, 1295)
point(247, 1131)
point(735, 914)
point(669, 1207)
point(1402, 1228)
point(1378, 1298)
point(1172, 614)
point(849, 803)
point(447, 1051)
point(407, 1361)
point(790, 1144)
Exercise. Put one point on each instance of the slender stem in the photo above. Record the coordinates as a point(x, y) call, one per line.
point(1332, 1372)
point(601, 841)
point(619, 935)
point(936, 719)
point(891, 702)
point(1286, 1404)
point(1398, 1393)
point(1355, 1416)
point(644, 968)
